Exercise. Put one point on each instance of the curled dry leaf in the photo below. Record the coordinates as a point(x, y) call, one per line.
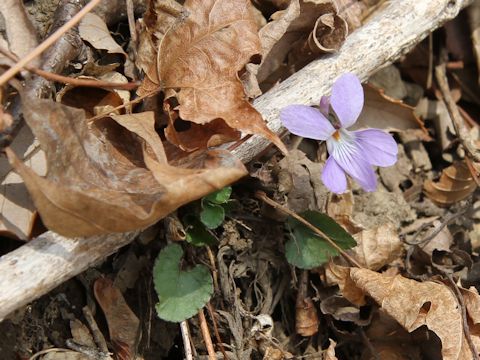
point(414, 304)
point(299, 33)
point(93, 29)
point(102, 182)
point(330, 352)
point(306, 317)
point(123, 324)
point(378, 247)
point(455, 184)
point(198, 64)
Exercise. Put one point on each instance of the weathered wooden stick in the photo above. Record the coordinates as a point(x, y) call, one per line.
point(47, 261)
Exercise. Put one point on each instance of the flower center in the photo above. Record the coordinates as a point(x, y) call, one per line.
point(336, 135)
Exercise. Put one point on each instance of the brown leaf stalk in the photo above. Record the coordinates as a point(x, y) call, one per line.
point(460, 129)
point(262, 196)
point(206, 335)
point(47, 42)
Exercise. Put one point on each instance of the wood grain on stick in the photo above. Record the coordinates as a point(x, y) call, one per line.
point(47, 261)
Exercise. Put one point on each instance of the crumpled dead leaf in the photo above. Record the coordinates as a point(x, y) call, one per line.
point(198, 64)
point(111, 181)
point(297, 35)
point(414, 304)
point(123, 324)
point(455, 184)
point(378, 247)
point(93, 29)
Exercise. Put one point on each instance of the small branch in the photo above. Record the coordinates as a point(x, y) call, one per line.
point(457, 120)
point(215, 330)
point(186, 340)
point(206, 335)
point(47, 43)
point(97, 334)
point(69, 80)
point(262, 196)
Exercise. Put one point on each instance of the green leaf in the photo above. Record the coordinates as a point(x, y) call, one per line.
point(212, 215)
point(221, 196)
point(180, 293)
point(306, 250)
point(197, 234)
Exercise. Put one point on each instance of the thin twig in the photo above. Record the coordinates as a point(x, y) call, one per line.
point(97, 334)
point(211, 257)
point(211, 313)
point(131, 25)
point(69, 80)
point(134, 101)
point(186, 340)
point(47, 42)
point(46, 351)
point(262, 196)
point(206, 335)
point(457, 120)
point(91, 353)
point(466, 329)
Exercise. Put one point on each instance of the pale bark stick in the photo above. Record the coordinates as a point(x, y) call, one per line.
point(39, 266)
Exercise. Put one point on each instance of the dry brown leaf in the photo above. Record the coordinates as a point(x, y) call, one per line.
point(340, 275)
point(65, 355)
point(383, 112)
point(414, 304)
point(378, 247)
point(455, 184)
point(300, 35)
point(340, 208)
point(18, 213)
point(93, 29)
point(123, 324)
point(330, 352)
point(198, 64)
point(98, 183)
point(158, 18)
point(81, 334)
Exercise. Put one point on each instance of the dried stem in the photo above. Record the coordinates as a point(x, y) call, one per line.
point(206, 335)
point(47, 43)
point(457, 120)
point(69, 80)
point(215, 330)
point(262, 196)
point(97, 334)
point(186, 340)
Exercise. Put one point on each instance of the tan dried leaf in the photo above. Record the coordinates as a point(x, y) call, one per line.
point(98, 183)
point(383, 112)
point(378, 247)
point(414, 304)
point(16, 206)
point(340, 275)
point(81, 334)
point(93, 29)
point(329, 354)
point(123, 324)
point(455, 184)
point(198, 63)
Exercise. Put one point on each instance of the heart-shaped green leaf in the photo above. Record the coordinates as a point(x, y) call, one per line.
point(180, 293)
point(220, 196)
point(212, 215)
point(197, 233)
point(306, 250)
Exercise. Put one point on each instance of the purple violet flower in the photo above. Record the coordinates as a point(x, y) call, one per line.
point(351, 152)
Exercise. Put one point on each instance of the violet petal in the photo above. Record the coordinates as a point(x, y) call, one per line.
point(379, 147)
point(306, 121)
point(333, 177)
point(325, 105)
point(347, 99)
point(350, 156)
